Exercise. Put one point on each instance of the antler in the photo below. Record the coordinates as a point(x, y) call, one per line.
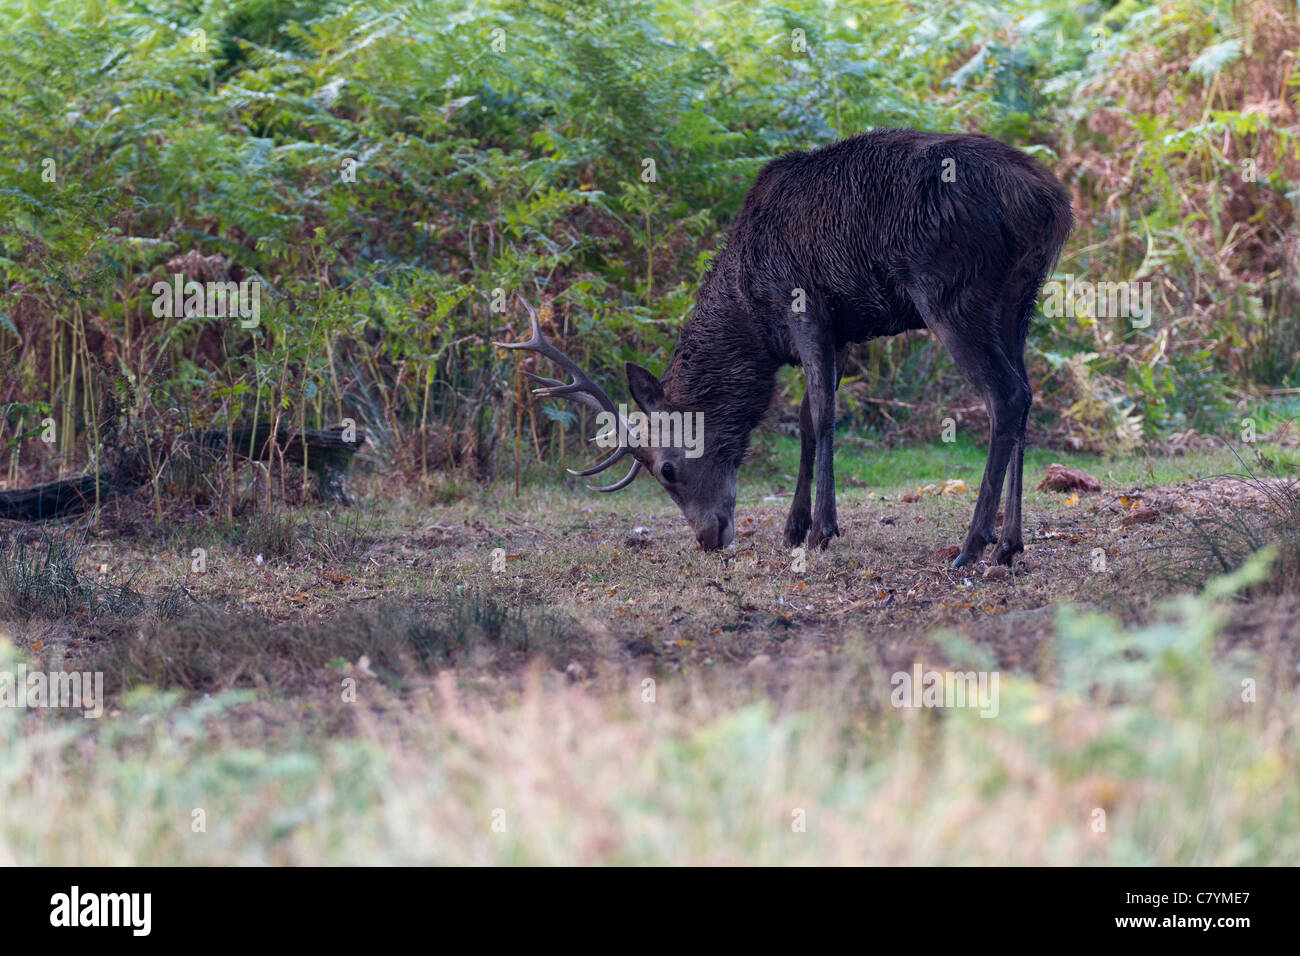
point(582, 390)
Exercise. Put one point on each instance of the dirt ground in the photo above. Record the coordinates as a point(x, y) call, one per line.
point(621, 585)
point(887, 580)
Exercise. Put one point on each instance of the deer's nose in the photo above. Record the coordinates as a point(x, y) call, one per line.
point(724, 531)
point(715, 534)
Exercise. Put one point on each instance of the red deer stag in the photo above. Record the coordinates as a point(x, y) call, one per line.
point(875, 235)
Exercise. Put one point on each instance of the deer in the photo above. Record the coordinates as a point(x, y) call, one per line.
point(875, 235)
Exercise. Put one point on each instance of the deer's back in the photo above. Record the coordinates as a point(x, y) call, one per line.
point(861, 224)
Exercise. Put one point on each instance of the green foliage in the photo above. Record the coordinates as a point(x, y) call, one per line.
point(396, 172)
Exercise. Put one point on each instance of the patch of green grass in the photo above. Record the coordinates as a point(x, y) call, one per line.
point(1277, 411)
point(888, 470)
point(893, 469)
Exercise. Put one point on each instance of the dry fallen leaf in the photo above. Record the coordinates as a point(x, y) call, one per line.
point(1140, 515)
point(1060, 478)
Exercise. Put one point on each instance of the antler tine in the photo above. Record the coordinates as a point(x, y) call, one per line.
point(582, 389)
point(535, 338)
point(578, 391)
point(602, 464)
point(557, 389)
point(549, 382)
point(581, 384)
point(622, 482)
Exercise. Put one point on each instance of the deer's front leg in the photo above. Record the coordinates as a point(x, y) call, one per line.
point(796, 526)
point(819, 363)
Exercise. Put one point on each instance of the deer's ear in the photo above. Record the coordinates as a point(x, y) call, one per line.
point(645, 388)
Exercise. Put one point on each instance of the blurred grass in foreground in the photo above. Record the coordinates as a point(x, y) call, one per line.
point(1145, 732)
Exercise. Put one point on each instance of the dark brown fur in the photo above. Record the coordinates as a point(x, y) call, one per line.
point(878, 242)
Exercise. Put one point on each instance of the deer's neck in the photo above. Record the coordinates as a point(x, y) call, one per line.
point(722, 368)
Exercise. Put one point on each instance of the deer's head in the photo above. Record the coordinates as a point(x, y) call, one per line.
point(665, 439)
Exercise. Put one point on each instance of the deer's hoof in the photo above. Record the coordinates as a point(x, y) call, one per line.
point(796, 529)
point(822, 533)
point(1007, 551)
point(972, 550)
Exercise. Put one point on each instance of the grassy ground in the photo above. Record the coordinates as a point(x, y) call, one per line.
point(467, 675)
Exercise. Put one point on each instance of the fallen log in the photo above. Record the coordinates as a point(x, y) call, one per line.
point(54, 499)
point(324, 452)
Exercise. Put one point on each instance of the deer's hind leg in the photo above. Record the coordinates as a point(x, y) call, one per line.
point(1015, 329)
point(970, 329)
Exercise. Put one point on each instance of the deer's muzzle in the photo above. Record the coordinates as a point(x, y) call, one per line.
point(715, 532)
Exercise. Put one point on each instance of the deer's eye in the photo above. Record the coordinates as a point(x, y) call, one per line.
point(668, 473)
